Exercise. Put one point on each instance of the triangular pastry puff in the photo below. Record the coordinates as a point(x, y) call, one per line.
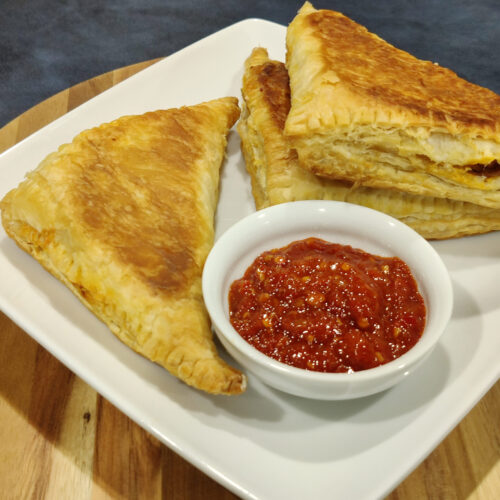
point(277, 176)
point(124, 216)
point(365, 111)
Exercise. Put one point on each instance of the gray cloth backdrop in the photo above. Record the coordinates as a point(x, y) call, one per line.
point(49, 45)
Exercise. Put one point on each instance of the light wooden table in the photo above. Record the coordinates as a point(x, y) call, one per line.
point(60, 439)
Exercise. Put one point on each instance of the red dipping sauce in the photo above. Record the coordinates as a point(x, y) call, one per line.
point(327, 307)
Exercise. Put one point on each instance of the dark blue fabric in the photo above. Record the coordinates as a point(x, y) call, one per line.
point(49, 45)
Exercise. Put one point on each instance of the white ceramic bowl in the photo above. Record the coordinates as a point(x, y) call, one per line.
point(337, 222)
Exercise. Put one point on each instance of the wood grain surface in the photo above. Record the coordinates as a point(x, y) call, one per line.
point(60, 439)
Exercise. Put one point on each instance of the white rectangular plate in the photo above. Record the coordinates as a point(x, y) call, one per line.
point(262, 444)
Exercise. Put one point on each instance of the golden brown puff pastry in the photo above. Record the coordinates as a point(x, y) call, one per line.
point(277, 176)
point(123, 215)
point(368, 112)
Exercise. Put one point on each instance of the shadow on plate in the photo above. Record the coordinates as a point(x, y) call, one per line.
point(332, 430)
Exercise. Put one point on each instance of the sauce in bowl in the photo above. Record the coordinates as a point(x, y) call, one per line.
point(327, 307)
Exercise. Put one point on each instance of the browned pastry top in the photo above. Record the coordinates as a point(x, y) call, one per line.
point(372, 67)
point(275, 86)
point(128, 201)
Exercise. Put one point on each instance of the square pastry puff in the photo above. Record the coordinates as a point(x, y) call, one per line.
point(277, 176)
point(124, 216)
point(365, 111)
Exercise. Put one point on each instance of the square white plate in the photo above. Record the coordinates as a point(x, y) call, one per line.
point(262, 444)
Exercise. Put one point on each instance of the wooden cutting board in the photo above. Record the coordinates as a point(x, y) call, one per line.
point(60, 439)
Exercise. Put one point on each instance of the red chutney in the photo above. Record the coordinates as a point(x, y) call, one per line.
point(327, 307)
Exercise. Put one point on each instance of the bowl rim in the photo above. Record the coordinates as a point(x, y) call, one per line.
point(212, 272)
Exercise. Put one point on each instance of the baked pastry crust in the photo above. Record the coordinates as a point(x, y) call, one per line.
point(277, 176)
point(368, 112)
point(123, 215)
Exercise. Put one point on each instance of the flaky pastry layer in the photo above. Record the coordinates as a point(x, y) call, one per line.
point(365, 111)
point(123, 215)
point(277, 176)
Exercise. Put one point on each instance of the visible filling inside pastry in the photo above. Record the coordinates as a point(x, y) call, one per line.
point(492, 169)
point(441, 157)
